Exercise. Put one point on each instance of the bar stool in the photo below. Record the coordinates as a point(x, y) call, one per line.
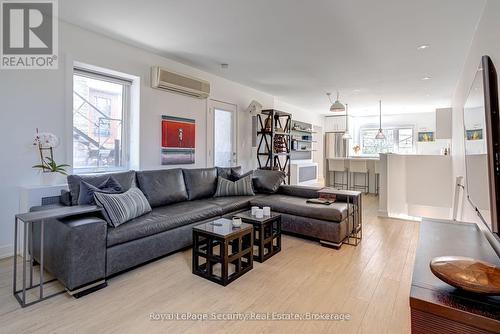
point(377, 176)
point(338, 166)
point(359, 166)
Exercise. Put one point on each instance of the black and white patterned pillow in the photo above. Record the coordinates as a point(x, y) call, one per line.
point(120, 208)
point(242, 187)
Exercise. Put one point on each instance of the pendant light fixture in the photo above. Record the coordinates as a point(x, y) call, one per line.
point(380, 134)
point(346, 135)
point(336, 106)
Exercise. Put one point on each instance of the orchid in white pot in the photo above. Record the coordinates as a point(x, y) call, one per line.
point(50, 170)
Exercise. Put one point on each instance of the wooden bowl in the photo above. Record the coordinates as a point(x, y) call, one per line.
point(467, 274)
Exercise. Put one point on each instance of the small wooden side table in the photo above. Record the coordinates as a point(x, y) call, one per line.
point(221, 252)
point(267, 234)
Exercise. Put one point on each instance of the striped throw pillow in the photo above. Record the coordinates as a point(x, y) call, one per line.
point(242, 187)
point(120, 208)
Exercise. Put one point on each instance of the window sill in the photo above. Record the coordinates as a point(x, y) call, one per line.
point(87, 171)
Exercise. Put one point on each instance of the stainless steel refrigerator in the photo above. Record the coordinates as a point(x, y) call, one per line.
point(335, 146)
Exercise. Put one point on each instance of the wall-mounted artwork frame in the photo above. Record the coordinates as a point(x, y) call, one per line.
point(426, 136)
point(475, 134)
point(177, 140)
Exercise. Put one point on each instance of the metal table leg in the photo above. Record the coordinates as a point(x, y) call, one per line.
point(31, 252)
point(41, 258)
point(27, 245)
point(24, 262)
point(14, 285)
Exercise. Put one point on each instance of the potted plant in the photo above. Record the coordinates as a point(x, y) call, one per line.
point(50, 170)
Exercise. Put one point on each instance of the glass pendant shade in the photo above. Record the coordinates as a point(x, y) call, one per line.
point(337, 107)
point(380, 134)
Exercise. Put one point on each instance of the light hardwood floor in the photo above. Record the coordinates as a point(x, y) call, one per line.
point(371, 282)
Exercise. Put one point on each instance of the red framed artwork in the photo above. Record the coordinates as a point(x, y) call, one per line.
point(177, 140)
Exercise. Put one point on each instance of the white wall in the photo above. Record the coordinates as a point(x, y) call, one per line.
point(416, 186)
point(42, 99)
point(485, 42)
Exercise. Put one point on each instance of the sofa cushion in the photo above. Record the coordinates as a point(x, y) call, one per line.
point(109, 186)
point(162, 187)
point(267, 181)
point(298, 206)
point(125, 179)
point(200, 183)
point(299, 191)
point(232, 204)
point(241, 187)
point(162, 219)
point(121, 208)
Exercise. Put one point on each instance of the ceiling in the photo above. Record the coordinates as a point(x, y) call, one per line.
point(298, 50)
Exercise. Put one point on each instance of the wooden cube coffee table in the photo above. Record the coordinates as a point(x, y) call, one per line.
point(267, 234)
point(221, 252)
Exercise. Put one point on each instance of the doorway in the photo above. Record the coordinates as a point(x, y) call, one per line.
point(223, 119)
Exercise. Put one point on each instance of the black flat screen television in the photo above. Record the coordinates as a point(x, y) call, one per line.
point(482, 145)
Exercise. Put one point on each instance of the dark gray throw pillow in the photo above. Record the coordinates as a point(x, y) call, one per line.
point(121, 208)
point(267, 181)
point(201, 182)
point(242, 187)
point(109, 186)
point(237, 176)
point(227, 172)
point(126, 180)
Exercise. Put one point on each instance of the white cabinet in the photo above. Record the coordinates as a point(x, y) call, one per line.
point(335, 123)
point(443, 123)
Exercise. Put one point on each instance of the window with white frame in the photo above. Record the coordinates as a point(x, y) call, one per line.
point(397, 140)
point(101, 105)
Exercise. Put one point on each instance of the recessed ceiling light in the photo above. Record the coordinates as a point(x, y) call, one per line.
point(423, 47)
point(426, 78)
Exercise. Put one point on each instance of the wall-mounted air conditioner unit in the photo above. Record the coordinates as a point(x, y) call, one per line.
point(179, 83)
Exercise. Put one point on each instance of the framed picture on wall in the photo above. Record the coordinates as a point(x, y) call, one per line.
point(177, 140)
point(426, 136)
point(475, 134)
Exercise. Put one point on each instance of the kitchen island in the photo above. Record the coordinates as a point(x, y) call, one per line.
point(416, 186)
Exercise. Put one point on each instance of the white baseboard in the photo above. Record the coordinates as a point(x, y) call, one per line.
point(6, 251)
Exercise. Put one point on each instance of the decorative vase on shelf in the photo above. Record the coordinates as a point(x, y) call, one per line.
point(268, 125)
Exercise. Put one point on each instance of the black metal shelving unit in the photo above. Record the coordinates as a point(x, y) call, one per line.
point(267, 157)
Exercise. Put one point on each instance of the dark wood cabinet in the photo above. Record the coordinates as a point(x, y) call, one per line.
point(437, 307)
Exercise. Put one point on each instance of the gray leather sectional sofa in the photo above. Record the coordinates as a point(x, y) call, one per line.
point(82, 251)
